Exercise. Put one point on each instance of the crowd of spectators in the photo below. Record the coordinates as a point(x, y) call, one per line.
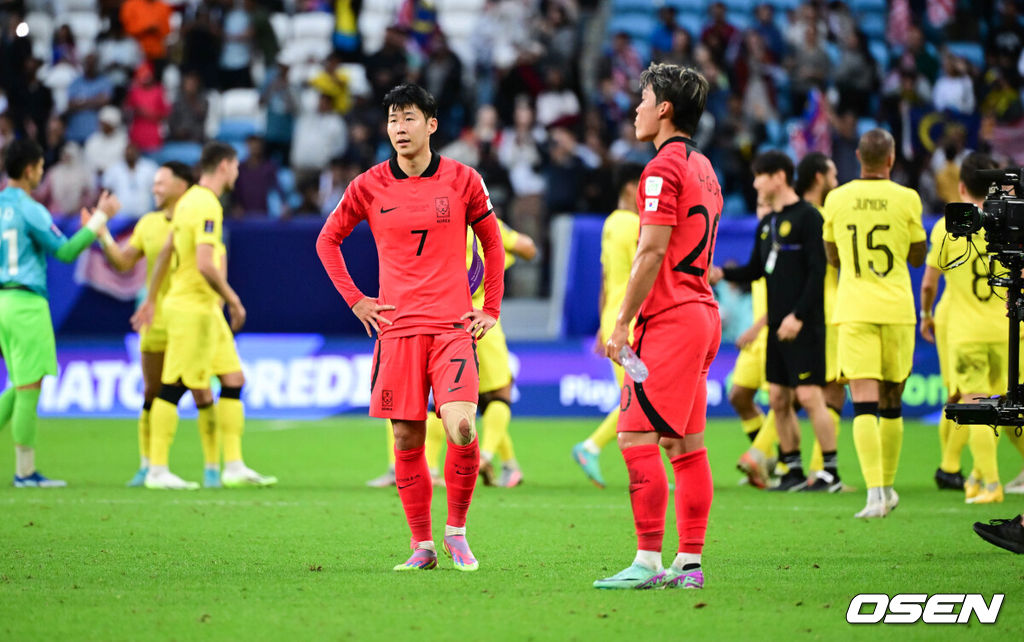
point(543, 118)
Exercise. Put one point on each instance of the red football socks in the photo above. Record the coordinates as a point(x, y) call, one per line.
point(693, 499)
point(415, 490)
point(648, 492)
point(461, 466)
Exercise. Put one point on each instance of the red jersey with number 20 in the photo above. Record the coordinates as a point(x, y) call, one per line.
point(679, 188)
point(419, 226)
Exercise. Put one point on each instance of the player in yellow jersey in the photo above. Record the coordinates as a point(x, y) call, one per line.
point(495, 384)
point(748, 376)
point(976, 350)
point(619, 238)
point(200, 344)
point(872, 229)
point(816, 177)
point(148, 237)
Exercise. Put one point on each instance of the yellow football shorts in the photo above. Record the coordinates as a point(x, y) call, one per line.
point(832, 354)
point(153, 338)
point(749, 369)
point(980, 367)
point(876, 351)
point(946, 366)
point(492, 352)
point(199, 346)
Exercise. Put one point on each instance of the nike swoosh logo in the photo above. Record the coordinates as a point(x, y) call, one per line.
point(385, 211)
point(457, 388)
point(463, 474)
point(805, 375)
point(400, 487)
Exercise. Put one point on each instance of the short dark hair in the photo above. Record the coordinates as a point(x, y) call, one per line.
point(626, 174)
point(215, 152)
point(874, 147)
point(972, 163)
point(773, 161)
point(181, 170)
point(684, 87)
point(19, 155)
point(807, 169)
point(410, 95)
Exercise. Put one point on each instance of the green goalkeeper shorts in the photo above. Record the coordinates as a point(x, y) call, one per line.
point(26, 337)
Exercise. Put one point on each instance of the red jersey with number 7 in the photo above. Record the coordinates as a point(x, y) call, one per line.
point(679, 188)
point(419, 226)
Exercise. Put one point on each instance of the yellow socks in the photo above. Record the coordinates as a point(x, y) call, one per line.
point(891, 430)
point(208, 436)
point(768, 437)
point(867, 439)
point(495, 420)
point(752, 425)
point(435, 441)
point(163, 422)
point(390, 433)
point(945, 428)
point(983, 449)
point(144, 433)
point(955, 442)
point(231, 420)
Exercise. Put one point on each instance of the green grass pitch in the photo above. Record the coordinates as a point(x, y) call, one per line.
point(311, 559)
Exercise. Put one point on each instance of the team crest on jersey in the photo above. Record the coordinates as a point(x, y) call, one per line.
point(651, 205)
point(444, 211)
point(387, 400)
point(208, 226)
point(764, 233)
point(785, 228)
point(652, 186)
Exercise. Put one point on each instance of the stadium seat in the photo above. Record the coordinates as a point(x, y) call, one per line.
point(286, 180)
point(468, 6)
point(183, 152)
point(637, 25)
point(740, 19)
point(171, 80)
point(692, 22)
point(878, 6)
point(81, 5)
point(782, 6)
point(86, 26)
point(865, 124)
point(458, 25)
point(315, 25)
point(40, 29)
point(308, 100)
point(240, 103)
point(358, 83)
point(691, 6)
point(735, 6)
point(236, 130)
point(626, 6)
point(880, 52)
point(58, 78)
point(301, 73)
point(972, 52)
point(282, 25)
point(306, 51)
point(872, 24)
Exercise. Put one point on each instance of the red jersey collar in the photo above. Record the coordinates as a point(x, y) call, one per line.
point(396, 171)
point(677, 139)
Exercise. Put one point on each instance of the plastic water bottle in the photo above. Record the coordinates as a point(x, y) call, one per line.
point(635, 368)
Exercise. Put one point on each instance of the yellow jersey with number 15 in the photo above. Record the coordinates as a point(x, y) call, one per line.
point(976, 313)
point(873, 223)
point(198, 220)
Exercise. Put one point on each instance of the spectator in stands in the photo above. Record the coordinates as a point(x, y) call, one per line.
point(754, 72)
point(14, 51)
point(257, 178)
point(442, 77)
point(519, 152)
point(6, 131)
point(800, 20)
point(236, 53)
point(333, 182)
point(840, 20)
point(736, 139)
point(86, 96)
point(361, 149)
point(622, 63)
point(131, 179)
point(681, 51)
point(918, 54)
point(808, 67)
point(468, 147)
point(764, 25)
point(954, 90)
point(146, 106)
point(719, 88)
point(557, 103)
point(627, 149)
point(389, 65)
point(187, 120)
point(279, 99)
point(844, 146)
point(333, 81)
point(31, 103)
point(719, 33)
point(1005, 40)
point(309, 195)
point(201, 46)
point(524, 78)
point(856, 75)
point(319, 136)
point(54, 141)
point(119, 56)
point(63, 47)
point(264, 40)
point(557, 33)
point(69, 185)
point(664, 32)
point(106, 146)
point(149, 22)
point(1000, 99)
point(564, 172)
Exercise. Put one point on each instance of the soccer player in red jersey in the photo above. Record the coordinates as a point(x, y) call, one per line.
point(418, 205)
point(677, 332)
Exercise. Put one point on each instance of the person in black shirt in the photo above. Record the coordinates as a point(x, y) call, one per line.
point(790, 254)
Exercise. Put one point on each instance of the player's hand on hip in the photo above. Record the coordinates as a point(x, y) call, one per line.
point(928, 329)
point(368, 311)
point(143, 317)
point(479, 323)
point(715, 274)
point(790, 327)
point(618, 338)
point(237, 312)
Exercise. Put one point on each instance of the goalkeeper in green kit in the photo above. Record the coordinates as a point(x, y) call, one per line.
point(27, 235)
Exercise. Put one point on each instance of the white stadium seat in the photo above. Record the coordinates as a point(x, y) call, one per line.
point(240, 103)
point(315, 25)
point(282, 25)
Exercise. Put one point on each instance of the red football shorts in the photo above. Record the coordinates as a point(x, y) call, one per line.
point(678, 346)
point(405, 369)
